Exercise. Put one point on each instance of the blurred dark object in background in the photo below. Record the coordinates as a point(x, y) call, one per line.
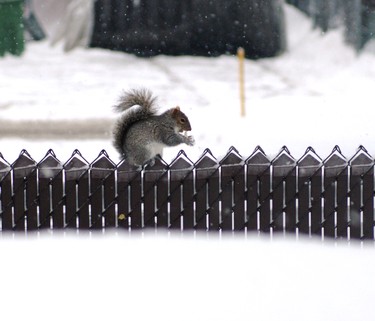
point(357, 17)
point(11, 27)
point(190, 27)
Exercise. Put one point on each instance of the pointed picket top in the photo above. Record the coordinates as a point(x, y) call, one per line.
point(361, 157)
point(335, 159)
point(284, 158)
point(258, 157)
point(50, 160)
point(76, 162)
point(310, 163)
point(335, 163)
point(24, 161)
point(4, 165)
point(24, 165)
point(181, 162)
point(258, 163)
point(232, 157)
point(207, 160)
point(124, 166)
point(283, 164)
point(361, 162)
point(159, 165)
point(49, 166)
point(103, 162)
point(310, 159)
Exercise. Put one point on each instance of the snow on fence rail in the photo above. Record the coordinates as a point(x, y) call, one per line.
point(330, 198)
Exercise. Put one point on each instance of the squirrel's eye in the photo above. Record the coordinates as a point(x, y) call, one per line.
point(182, 120)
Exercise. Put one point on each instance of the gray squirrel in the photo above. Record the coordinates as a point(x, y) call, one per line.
point(140, 134)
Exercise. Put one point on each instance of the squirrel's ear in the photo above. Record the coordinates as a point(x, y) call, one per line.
point(175, 110)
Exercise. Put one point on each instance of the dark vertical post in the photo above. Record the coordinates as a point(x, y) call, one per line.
point(103, 193)
point(6, 212)
point(361, 195)
point(51, 191)
point(309, 217)
point(206, 192)
point(232, 191)
point(153, 191)
point(258, 190)
point(25, 192)
point(284, 192)
point(335, 194)
point(77, 191)
point(181, 192)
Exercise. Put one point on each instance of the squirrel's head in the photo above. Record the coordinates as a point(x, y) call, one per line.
point(181, 119)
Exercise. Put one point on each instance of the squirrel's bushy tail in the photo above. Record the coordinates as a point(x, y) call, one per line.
point(141, 97)
point(146, 102)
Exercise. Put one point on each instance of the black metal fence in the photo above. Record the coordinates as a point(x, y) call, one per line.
point(190, 27)
point(330, 198)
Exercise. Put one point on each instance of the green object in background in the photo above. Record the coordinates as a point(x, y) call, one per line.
point(11, 27)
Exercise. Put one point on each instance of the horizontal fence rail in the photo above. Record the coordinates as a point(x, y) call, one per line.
point(332, 198)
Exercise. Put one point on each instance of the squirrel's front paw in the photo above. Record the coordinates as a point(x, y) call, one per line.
point(190, 140)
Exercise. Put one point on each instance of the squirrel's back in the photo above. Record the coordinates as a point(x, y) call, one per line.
point(135, 97)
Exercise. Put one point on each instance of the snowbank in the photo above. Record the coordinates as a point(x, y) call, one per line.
point(179, 277)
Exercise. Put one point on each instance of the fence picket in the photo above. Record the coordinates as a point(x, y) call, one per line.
point(50, 176)
point(6, 194)
point(258, 178)
point(309, 193)
point(181, 193)
point(102, 192)
point(361, 195)
point(125, 176)
point(206, 183)
point(232, 191)
point(368, 204)
point(155, 186)
point(135, 199)
point(25, 192)
point(284, 192)
point(77, 191)
point(335, 195)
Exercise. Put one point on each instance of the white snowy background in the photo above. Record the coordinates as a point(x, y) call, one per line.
point(320, 93)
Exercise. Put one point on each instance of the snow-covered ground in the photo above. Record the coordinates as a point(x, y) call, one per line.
point(319, 93)
point(144, 277)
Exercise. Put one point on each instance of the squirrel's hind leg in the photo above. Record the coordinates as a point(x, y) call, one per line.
point(149, 163)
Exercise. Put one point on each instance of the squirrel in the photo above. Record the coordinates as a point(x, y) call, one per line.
point(140, 134)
